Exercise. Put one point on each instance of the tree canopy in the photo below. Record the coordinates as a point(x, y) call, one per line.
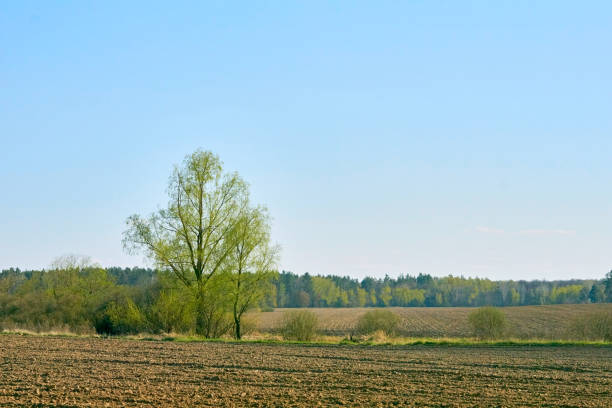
point(209, 231)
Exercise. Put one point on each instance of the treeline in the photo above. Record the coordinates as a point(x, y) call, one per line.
point(78, 298)
point(82, 297)
point(424, 290)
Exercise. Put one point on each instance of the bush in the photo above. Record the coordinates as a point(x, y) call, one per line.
point(375, 320)
point(378, 337)
point(595, 326)
point(121, 318)
point(172, 312)
point(300, 325)
point(487, 322)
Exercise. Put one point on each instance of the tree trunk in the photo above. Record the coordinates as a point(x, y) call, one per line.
point(237, 333)
point(202, 323)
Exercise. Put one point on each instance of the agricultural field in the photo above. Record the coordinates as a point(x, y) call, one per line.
point(64, 371)
point(524, 322)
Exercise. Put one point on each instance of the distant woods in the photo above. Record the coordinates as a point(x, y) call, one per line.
point(291, 290)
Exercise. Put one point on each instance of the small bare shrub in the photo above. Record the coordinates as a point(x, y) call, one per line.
point(594, 326)
point(378, 337)
point(300, 325)
point(378, 320)
point(487, 322)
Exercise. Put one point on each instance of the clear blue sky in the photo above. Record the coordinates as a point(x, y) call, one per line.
point(440, 137)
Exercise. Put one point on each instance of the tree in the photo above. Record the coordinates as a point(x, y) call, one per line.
point(251, 263)
point(608, 284)
point(303, 299)
point(372, 297)
point(361, 297)
point(515, 297)
point(385, 295)
point(402, 296)
point(192, 237)
point(565, 294)
point(597, 294)
point(326, 291)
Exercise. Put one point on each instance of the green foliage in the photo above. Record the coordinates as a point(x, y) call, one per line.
point(597, 294)
point(567, 294)
point(250, 264)
point(300, 325)
point(209, 235)
point(213, 305)
point(121, 317)
point(335, 291)
point(326, 292)
point(403, 296)
point(608, 287)
point(192, 236)
point(594, 326)
point(360, 298)
point(385, 296)
point(487, 322)
point(375, 320)
point(515, 297)
point(172, 312)
point(69, 296)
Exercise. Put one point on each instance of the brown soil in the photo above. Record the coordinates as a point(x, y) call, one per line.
point(54, 371)
point(527, 322)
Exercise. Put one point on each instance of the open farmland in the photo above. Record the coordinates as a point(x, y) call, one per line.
point(524, 322)
point(52, 371)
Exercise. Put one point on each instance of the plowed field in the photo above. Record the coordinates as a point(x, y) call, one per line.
point(54, 371)
point(527, 322)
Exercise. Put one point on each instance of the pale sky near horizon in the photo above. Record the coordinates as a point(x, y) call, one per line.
point(468, 138)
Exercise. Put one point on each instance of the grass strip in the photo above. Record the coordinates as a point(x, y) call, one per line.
point(393, 342)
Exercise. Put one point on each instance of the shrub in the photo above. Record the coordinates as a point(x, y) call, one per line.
point(121, 318)
point(487, 322)
point(375, 320)
point(378, 337)
point(299, 325)
point(171, 313)
point(594, 326)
